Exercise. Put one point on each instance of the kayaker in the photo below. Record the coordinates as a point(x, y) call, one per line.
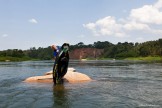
point(55, 50)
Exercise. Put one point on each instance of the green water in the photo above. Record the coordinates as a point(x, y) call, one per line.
point(116, 84)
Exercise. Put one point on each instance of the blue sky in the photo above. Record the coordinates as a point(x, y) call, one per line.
point(41, 23)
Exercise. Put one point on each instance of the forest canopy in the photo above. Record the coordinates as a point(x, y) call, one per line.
point(119, 50)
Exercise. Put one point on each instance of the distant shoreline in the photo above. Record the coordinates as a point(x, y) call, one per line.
point(147, 59)
point(15, 59)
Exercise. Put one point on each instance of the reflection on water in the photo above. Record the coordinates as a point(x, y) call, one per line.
point(60, 97)
point(119, 84)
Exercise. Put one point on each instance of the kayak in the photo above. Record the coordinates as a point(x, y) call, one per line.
point(61, 64)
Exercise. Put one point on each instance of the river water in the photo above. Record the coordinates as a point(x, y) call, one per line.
point(116, 84)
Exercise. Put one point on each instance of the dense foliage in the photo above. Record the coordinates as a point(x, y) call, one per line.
point(124, 50)
point(119, 50)
point(32, 53)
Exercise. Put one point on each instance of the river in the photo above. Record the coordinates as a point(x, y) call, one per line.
point(116, 84)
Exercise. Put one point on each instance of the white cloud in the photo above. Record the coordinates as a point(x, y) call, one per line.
point(34, 21)
point(90, 26)
point(147, 14)
point(140, 20)
point(106, 27)
point(158, 4)
point(135, 26)
point(5, 35)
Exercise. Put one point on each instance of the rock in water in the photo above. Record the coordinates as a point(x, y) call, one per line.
point(69, 69)
point(71, 77)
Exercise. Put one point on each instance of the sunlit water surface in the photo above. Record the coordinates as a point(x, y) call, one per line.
point(116, 84)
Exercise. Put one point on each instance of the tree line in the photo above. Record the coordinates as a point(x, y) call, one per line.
point(119, 50)
point(32, 53)
point(125, 49)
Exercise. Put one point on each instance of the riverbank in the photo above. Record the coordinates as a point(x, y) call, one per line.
point(7, 59)
point(147, 59)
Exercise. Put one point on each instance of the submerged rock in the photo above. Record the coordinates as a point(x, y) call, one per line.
point(71, 76)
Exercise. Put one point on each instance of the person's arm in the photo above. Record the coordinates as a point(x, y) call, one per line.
point(54, 48)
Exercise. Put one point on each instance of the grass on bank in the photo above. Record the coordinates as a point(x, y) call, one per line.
point(149, 58)
point(15, 58)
